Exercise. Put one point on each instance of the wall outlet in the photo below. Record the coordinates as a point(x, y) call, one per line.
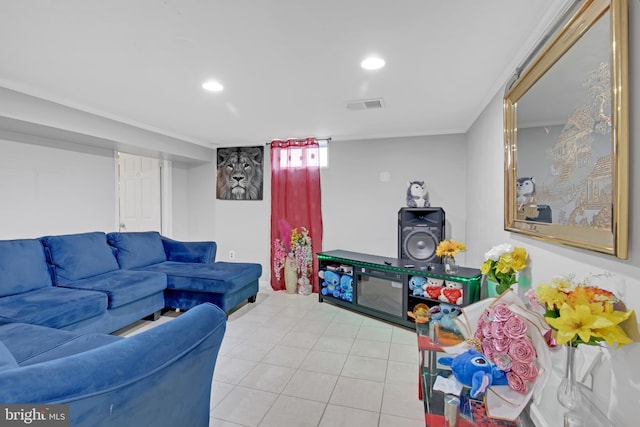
point(232, 254)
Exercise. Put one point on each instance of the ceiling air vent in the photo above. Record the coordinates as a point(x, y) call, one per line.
point(364, 104)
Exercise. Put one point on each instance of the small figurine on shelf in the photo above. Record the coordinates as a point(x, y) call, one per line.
point(433, 288)
point(330, 283)
point(417, 195)
point(346, 288)
point(451, 292)
point(417, 284)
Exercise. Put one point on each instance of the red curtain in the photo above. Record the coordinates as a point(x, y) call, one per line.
point(295, 202)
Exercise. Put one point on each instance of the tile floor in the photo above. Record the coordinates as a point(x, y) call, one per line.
point(288, 360)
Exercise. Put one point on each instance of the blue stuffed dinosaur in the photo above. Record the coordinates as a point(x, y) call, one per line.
point(473, 370)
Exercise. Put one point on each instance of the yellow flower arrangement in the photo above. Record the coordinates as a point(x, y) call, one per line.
point(580, 313)
point(502, 263)
point(450, 248)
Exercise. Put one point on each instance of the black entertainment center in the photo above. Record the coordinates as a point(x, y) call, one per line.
point(381, 285)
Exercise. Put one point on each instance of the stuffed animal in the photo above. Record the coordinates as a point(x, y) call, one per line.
point(433, 287)
point(473, 370)
point(346, 288)
point(525, 190)
point(417, 285)
point(417, 195)
point(451, 292)
point(331, 283)
point(443, 314)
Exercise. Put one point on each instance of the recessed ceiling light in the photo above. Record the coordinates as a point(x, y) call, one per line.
point(372, 63)
point(212, 86)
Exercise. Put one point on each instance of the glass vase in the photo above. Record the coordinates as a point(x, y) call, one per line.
point(569, 390)
point(290, 274)
point(450, 266)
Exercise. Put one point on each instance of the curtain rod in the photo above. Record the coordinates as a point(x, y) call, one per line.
point(559, 22)
point(328, 139)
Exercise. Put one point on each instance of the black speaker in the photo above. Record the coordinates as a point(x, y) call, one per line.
point(420, 230)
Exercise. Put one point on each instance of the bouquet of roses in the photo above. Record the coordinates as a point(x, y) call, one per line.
point(511, 336)
point(502, 335)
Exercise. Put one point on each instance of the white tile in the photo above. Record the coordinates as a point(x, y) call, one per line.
point(329, 366)
point(244, 406)
point(360, 394)
point(267, 334)
point(300, 339)
point(268, 377)
point(290, 357)
point(370, 321)
point(340, 416)
point(251, 350)
point(231, 370)
point(324, 362)
point(404, 353)
point(217, 422)
point(404, 336)
point(311, 385)
point(341, 330)
point(219, 391)
point(387, 420)
point(401, 398)
point(402, 371)
point(373, 333)
point(311, 327)
point(293, 412)
point(347, 317)
point(365, 368)
point(334, 344)
point(229, 343)
point(320, 315)
point(367, 348)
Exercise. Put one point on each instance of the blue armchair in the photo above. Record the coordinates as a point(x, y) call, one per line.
point(160, 377)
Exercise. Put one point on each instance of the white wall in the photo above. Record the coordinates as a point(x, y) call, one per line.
point(618, 377)
point(180, 201)
point(50, 191)
point(360, 210)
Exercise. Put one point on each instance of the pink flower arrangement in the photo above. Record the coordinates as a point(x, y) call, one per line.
point(503, 340)
point(295, 244)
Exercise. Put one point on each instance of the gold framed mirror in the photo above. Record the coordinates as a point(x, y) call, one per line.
point(566, 135)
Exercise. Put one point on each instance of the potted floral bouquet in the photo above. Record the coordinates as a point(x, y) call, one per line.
point(501, 264)
point(448, 249)
point(293, 255)
point(580, 312)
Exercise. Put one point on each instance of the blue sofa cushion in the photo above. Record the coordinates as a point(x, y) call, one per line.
point(30, 344)
point(7, 361)
point(124, 286)
point(137, 249)
point(52, 306)
point(78, 256)
point(219, 277)
point(23, 266)
point(203, 252)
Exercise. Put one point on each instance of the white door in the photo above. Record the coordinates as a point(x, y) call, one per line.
point(139, 193)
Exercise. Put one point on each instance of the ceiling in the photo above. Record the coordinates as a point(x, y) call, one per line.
point(288, 66)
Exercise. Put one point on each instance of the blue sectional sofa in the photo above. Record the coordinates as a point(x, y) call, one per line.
point(160, 377)
point(193, 276)
point(87, 282)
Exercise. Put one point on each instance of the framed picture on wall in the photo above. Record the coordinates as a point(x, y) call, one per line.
point(240, 173)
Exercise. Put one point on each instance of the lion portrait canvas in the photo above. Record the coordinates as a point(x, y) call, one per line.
point(239, 173)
